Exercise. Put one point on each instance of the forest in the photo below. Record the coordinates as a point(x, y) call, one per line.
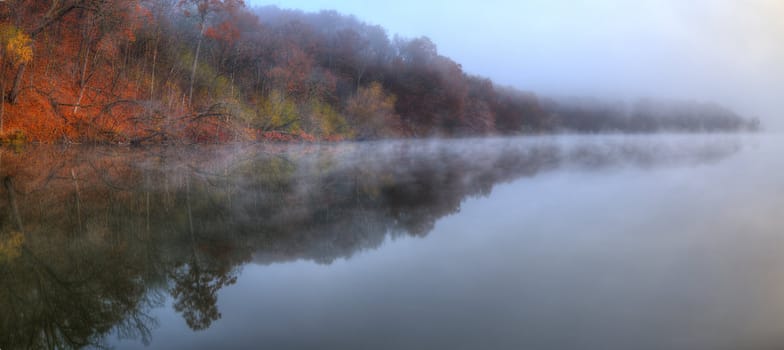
point(205, 71)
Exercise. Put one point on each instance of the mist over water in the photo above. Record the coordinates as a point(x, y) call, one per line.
point(726, 52)
point(654, 228)
point(594, 242)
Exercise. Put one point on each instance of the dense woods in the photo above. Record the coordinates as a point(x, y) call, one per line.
point(150, 71)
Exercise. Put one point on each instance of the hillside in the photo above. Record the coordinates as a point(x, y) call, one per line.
point(155, 71)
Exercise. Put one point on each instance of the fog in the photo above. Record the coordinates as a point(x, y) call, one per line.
point(556, 242)
point(723, 51)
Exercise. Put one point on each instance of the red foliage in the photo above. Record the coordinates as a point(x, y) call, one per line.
point(112, 71)
point(225, 31)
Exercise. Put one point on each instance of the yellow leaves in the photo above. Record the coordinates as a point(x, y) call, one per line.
point(372, 111)
point(17, 47)
point(330, 122)
point(370, 100)
point(11, 246)
point(20, 47)
point(277, 112)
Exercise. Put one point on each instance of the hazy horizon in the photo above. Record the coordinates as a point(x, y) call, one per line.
point(718, 51)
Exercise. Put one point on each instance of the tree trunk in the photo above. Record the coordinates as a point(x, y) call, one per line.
point(82, 80)
point(9, 187)
point(193, 70)
point(78, 200)
point(152, 77)
point(2, 103)
point(17, 87)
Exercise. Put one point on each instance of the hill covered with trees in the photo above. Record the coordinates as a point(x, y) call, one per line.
point(149, 71)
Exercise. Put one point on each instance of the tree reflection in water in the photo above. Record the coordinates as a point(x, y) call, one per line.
point(93, 239)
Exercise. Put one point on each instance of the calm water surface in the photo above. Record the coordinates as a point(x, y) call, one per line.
point(602, 242)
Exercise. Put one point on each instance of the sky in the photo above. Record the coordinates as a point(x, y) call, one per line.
point(725, 51)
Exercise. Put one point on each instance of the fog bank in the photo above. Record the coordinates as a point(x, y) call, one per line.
point(723, 51)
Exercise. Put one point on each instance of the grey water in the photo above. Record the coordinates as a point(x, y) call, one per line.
point(557, 242)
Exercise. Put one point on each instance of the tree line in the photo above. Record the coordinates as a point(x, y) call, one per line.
point(137, 71)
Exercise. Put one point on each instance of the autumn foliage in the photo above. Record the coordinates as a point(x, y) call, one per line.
point(163, 71)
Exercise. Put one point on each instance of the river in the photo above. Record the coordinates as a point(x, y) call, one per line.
point(551, 242)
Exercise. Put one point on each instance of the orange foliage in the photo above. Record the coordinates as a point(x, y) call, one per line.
point(121, 72)
point(71, 87)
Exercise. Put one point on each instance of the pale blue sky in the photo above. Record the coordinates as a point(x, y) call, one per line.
point(727, 51)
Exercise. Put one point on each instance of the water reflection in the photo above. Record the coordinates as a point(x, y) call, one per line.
point(93, 239)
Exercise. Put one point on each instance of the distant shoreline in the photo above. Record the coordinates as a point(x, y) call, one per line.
point(125, 72)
